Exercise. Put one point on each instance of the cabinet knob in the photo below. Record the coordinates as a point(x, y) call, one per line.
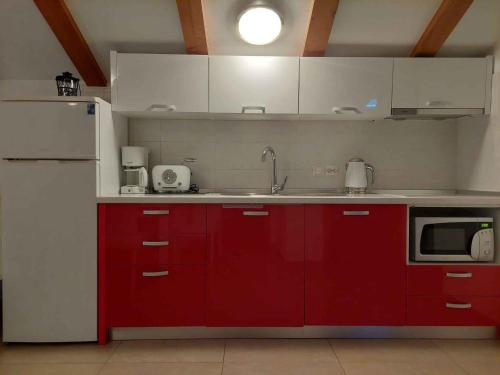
point(459, 305)
point(255, 213)
point(253, 109)
point(459, 275)
point(156, 212)
point(356, 213)
point(155, 274)
point(155, 243)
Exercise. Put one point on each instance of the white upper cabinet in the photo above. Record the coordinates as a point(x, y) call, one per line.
point(346, 87)
point(159, 83)
point(441, 82)
point(254, 84)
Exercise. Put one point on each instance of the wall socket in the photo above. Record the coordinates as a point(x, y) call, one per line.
point(318, 171)
point(331, 170)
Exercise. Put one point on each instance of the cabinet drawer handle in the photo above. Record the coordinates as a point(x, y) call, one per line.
point(458, 305)
point(356, 213)
point(459, 275)
point(155, 243)
point(255, 213)
point(437, 103)
point(253, 109)
point(341, 110)
point(156, 212)
point(162, 108)
point(155, 274)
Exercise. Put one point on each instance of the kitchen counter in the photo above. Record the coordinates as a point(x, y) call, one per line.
point(418, 198)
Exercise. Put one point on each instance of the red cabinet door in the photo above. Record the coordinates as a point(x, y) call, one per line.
point(355, 264)
point(453, 280)
point(155, 296)
point(255, 274)
point(453, 311)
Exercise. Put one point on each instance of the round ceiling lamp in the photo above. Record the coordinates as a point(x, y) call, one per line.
point(259, 25)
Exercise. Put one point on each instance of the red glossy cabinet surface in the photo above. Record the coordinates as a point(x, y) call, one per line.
point(255, 274)
point(453, 310)
point(154, 221)
point(438, 280)
point(355, 264)
point(169, 249)
point(146, 296)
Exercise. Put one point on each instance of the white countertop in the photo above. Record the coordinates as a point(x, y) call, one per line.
point(412, 198)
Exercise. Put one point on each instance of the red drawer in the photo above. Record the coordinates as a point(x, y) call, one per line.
point(170, 249)
point(147, 297)
point(453, 311)
point(155, 220)
point(453, 280)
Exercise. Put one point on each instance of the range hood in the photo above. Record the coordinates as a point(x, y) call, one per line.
point(433, 113)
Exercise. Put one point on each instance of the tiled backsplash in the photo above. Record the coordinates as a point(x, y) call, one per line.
point(405, 154)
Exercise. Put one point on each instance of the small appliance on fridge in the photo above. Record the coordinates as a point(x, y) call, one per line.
point(56, 156)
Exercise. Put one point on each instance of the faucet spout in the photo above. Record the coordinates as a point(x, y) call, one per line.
point(275, 187)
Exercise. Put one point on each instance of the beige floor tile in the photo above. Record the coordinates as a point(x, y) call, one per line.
point(278, 350)
point(283, 368)
point(390, 350)
point(391, 368)
point(471, 350)
point(162, 369)
point(50, 369)
point(485, 367)
point(169, 351)
point(60, 353)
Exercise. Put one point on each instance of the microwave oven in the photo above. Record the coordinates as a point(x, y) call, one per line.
point(453, 239)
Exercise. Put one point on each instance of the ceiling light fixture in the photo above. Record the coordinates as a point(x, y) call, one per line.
point(259, 25)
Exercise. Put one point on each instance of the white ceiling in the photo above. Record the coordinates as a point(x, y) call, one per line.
point(29, 50)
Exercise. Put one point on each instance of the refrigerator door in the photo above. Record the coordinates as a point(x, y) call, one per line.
point(49, 130)
point(49, 244)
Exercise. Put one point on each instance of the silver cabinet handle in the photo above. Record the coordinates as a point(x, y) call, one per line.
point(155, 274)
point(255, 213)
point(437, 103)
point(459, 305)
point(340, 110)
point(155, 243)
point(162, 108)
point(457, 275)
point(356, 213)
point(253, 108)
point(156, 212)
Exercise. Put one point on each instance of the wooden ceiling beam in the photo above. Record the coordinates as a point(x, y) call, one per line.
point(444, 21)
point(191, 15)
point(320, 27)
point(63, 25)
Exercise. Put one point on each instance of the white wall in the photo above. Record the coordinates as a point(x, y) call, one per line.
point(478, 144)
point(14, 88)
point(406, 154)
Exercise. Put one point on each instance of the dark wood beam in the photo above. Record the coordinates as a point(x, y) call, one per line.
point(320, 27)
point(449, 13)
point(191, 15)
point(60, 20)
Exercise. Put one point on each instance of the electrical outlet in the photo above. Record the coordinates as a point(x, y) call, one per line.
point(331, 170)
point(318, 171)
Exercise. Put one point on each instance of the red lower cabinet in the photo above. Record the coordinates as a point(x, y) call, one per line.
point(453, 311)
point(155, 296)
point(255, 274)
point(355, 264)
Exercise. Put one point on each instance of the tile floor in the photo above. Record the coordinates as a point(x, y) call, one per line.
point(256, 357)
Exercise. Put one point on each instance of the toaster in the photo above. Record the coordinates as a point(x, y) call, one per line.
point(171, 178)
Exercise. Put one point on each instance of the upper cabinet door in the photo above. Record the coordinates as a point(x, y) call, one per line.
point(254, 84)
point(346, 87)
point(154, 82)
point(440, 82)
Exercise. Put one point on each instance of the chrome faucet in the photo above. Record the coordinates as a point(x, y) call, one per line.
point(275, 187)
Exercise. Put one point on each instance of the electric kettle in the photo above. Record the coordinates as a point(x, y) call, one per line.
point(356, 181)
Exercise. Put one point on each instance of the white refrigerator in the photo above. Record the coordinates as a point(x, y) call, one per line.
point(50, 175)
